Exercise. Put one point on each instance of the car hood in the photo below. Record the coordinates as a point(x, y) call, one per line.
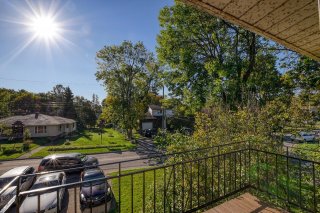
point(96, 190)
point(30, 204)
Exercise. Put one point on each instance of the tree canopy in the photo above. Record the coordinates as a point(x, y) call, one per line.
point(129, 73)
point(210, 59)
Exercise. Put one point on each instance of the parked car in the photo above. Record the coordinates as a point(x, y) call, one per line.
point(289, 137)
point(48, 200)
point(66, 161)
point(7, 177)
point(96, 192)
point(149, 132)
point(306, 136)
point(186, 131)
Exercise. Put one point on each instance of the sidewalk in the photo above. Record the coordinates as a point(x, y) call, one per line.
point(28, 154)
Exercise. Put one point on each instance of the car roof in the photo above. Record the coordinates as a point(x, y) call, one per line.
point(49, 177)
point(15, 171)
point(91, 171)
point(62, 155)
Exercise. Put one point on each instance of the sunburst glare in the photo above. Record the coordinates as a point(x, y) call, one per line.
point(45, 27)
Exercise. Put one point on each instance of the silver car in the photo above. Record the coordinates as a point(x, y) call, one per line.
point(25, 183)
point(48, 200)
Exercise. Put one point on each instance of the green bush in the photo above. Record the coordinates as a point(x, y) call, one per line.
point(9, 151)
point(67, 143)
point(26, 145)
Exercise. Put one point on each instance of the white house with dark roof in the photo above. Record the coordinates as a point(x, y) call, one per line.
point(153, 117)
point(40, 125)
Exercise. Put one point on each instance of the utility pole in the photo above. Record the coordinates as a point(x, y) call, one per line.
point(163, 111)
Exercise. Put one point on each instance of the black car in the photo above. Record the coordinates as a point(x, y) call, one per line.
point(66, 161)
point(149, 133)
point(96, 192)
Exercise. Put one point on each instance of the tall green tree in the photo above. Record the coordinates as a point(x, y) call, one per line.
point(68, 107)
point(212, 59)
point(128, 73)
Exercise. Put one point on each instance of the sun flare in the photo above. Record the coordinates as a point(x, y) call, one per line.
point(45, 27)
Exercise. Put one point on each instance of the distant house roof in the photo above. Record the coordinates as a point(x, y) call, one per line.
point(155, 107)
point(34, 120)
point(148, 116)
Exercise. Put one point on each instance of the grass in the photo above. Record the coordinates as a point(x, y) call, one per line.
point(308, 151)
point(89, 142)
point(137, 180)
point(16, 145)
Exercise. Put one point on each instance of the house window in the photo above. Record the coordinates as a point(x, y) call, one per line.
point(67, 126)
point(60, 128)
point(73, 126)
point(40, 129)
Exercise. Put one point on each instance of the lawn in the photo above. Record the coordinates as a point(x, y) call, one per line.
point(308, 151)
point(126, 190)
point(16, 146)
point(89, 142)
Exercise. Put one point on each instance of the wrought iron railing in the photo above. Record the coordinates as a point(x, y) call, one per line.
point(196, 179)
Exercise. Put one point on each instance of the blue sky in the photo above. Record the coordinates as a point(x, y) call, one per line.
point(85, 27)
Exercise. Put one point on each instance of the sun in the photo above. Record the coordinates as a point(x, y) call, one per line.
point(45, 27)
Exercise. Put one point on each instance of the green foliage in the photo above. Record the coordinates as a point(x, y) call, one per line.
point(209, 59)
point(26, 145)
point(26, 134)
point(128, 72)
point(58, 102)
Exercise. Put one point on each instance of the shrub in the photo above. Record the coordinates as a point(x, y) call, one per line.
point(26, 134)
point(10, 151)
point(67, 143)
point(26, 145)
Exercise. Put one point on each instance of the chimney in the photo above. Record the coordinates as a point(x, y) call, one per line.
point(36, 115)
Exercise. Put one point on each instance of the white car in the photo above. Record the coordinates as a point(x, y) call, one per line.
point(48, 200)
point(306, 136)
point(7, 177)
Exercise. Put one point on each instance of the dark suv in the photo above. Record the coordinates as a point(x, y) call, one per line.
point(95, 192)
point(66, 161)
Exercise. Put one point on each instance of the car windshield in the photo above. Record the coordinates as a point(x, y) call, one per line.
point(45, 184)
point(5, 181)
point(83, 158)
point(93, 177)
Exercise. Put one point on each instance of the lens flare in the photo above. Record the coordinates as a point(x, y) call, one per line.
point(45, 27)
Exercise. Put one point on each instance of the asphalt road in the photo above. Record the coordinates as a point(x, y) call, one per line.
point(103, 158)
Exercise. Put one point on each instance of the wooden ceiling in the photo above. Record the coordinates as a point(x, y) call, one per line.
point(292, 23)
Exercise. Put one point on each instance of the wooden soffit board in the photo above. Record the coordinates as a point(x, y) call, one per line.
point(292, 23)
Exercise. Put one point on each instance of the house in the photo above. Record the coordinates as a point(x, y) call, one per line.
point(154, 117)
point(39, 125)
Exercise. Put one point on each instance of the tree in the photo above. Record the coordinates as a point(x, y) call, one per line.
point(68, 107)
point(210, 59)
point(305, 76)
point(86, 115)
point(128, 73)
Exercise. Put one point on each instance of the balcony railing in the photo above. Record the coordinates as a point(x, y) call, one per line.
point(196, 179)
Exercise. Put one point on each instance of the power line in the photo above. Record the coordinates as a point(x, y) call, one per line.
point(53, 82)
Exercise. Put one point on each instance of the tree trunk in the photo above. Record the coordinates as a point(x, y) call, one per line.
point(129, 133)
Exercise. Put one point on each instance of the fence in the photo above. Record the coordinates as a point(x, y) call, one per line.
point(195, 179)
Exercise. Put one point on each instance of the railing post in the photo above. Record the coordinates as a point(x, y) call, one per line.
point(17, 195)
point(314, 188)
point(249, 169)
point(119, 187)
